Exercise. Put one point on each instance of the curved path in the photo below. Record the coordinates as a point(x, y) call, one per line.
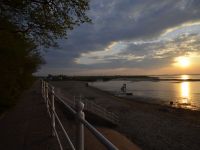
point(27, 125)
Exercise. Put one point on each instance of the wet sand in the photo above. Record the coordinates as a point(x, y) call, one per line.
point(151, 126)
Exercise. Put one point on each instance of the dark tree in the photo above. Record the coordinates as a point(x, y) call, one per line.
point(19, 58)
point(24, 26)
point(43, 21)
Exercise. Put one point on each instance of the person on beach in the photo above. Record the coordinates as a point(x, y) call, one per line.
point(123, 88)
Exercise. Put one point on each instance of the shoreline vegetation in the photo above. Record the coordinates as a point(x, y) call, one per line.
point(114, 77)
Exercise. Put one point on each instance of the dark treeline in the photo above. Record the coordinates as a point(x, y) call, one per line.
point(98, 78)
point(27, 26)
point(112, 77)
point(18, 60)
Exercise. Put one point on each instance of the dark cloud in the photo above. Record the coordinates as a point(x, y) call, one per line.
point(123, 20)
point(148, 55)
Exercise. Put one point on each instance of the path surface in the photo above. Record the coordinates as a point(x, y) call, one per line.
point(27, 125)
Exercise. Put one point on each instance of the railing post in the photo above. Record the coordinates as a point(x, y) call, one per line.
point(80, 126)
point(52, 111)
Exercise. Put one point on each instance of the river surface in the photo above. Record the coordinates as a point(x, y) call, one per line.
point(184, 94)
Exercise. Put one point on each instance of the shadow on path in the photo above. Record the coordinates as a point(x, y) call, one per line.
point(27, 125)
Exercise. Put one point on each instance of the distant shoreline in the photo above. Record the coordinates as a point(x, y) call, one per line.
point(118, 77)
point(181, 80)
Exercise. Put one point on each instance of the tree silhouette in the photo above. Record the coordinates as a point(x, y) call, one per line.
point(26, 25)
point(44, 21)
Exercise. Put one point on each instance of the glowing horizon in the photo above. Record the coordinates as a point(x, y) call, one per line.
point(142, 43)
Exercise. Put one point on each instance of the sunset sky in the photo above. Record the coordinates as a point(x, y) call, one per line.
point(131, 37)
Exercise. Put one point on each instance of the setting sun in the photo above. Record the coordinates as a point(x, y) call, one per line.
point(183, 62)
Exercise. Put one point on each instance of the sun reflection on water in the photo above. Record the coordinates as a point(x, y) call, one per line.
point(185, 92)
point(184, 77)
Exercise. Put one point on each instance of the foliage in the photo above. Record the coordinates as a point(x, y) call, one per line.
point(43, 21)
point(26, 25)
point(99, 78)
point(18, 60)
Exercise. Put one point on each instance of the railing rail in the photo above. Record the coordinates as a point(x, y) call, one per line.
point(93, 108)
point(49, 96)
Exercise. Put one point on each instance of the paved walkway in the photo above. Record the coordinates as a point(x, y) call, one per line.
point(27, 125)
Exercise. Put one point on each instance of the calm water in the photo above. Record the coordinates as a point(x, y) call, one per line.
point(183, 94)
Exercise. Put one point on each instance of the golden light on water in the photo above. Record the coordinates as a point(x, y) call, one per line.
point(185, 89)
point(185, 92)
point(184, 77)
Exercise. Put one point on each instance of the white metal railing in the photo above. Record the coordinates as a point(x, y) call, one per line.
point(91, 107)
point(49, 96)
point(94, 108)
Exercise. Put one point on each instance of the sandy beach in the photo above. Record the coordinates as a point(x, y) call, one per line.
point(151, 126)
